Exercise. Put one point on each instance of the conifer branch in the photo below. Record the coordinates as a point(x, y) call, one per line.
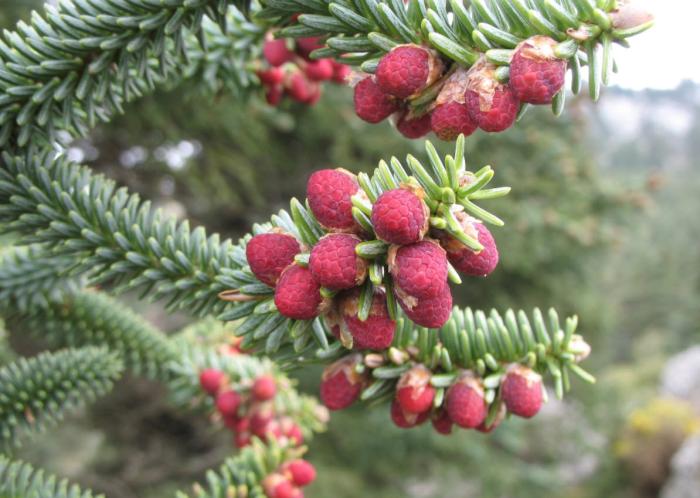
point(80, 62)
point(91, 318)
point(222, 60)
point(361, 32)
point(115, 237)
point(31, 276)
point(449, 190)
point(486, 343)
point(36, 392)
point(112, 235)
point(21, 480)
point(87, 227)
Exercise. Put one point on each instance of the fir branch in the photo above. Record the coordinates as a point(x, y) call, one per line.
point(242, 476)
point(116, 238)
point(21, 480)
point(32, 277)
point(447, 188)
point(90, 318)
point(361, 32)
point(474, 344)
point(488, 342)
point(80, 62)
point(111, 234)
point(36, 392)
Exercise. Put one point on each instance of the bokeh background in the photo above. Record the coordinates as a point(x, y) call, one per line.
point(602, 222)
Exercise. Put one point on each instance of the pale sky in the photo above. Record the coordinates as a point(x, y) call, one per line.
point(665, 55)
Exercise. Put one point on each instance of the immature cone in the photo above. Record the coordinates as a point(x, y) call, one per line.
point(414, 392)
point(272, 76)
point(341, 385)
point(292, 431)
point(450, 120)
point(463, 258)
point(300, 472)
point(400, 216)
point(451, 116)
point(227, 403)
point(536, 73)
point(371, 103)
point(419, 270)
point(330, 192)
point(320, 70)
point(376, 332)
point(276, 52)
point(274, 94)
point(304, 46)
point(268, 254)
point(334, 263)
point(407, 70)
point(340, 72)
point(521, 391)
point(264, 388)
point(492, 105)
point(278, 486)
point(301, 89)
point(406, 420)
point(261, 420)
point(465, 402)
point(298, 295)
point(240, 425)
point(442, 423)
point(413, 127)
point(211, 379)
point(431, 312)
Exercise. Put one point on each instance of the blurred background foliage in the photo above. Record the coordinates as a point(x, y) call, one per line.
point(602, 222)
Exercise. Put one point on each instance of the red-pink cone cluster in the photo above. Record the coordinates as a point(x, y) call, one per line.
point(417, 264)
point(249, 411)
point(287, 481)
point(401, 75)
point(467, 100)
point(333, 265)
point(415, 401)
point(271, 259)
point(292, 73)
point(465, 403)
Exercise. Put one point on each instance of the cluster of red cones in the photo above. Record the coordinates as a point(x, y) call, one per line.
point(417, 260)
point(249, 410)
point(464, 404)
point(466, 99)
point(288, 480)
point(292, 73)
